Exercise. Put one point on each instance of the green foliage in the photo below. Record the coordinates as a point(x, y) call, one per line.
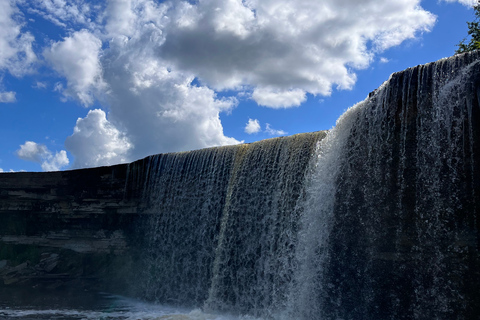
point(473, 32)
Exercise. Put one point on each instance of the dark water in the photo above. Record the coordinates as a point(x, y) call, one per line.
point(58, 304)
point(44, 304)
point(76, 305)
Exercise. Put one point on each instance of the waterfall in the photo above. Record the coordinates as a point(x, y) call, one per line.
point(184, 195)
point(222, 223)
point(394, 234)
point(376, 219)
point(255, 253)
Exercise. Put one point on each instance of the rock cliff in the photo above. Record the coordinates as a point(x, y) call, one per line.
point(60, 227)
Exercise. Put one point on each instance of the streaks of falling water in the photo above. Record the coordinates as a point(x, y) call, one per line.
point(255, 256)
point(381, 223)
point(390, 226)
point(222, 223)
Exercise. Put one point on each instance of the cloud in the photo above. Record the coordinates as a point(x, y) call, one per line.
point(7, 97)
point(16, 53)
point(252, 126)
point(1, 170)
point(469, 3)
point(56, 162)
point(121, 17)
point(155, 107)
point(273, 132)
point(64, 13)
point(32, 151)
point(279, 99)
point(95, 142)
point(40, 85)
point(384, 60)
point(77, 59)
point(158, 107)
point(288, 47)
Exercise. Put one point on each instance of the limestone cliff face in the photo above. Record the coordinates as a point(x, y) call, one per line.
point(60, 226)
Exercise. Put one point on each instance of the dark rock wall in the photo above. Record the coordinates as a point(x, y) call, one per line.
point(60, 227)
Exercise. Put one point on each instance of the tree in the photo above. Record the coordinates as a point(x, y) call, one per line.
point(473, 32)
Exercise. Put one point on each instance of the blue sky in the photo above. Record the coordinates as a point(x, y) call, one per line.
point(90, 83)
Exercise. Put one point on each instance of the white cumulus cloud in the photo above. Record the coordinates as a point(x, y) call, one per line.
point(289, 47)
point(96, 142)
point(32, 151)
point(252, 126)
point(274, 132)
point(121, 17)
point(159, 107)
point(155, 106)
point(55, 162)
point(384, 60)
point(16, 52)
point(77, 59)
point(279, 99)
point(469, 3)
point(7, 97)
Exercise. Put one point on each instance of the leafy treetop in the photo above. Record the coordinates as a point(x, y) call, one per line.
point(473, 32)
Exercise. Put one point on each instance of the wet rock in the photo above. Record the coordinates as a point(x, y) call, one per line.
point(10, 280)
point(18, 268)
point(18, 273)
point(48, 262)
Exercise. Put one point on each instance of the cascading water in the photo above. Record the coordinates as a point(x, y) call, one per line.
point(400, 240)
point(223, 223)
point(377, 220)
point(185, 195)
point(307, 290)
point(255, 253)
